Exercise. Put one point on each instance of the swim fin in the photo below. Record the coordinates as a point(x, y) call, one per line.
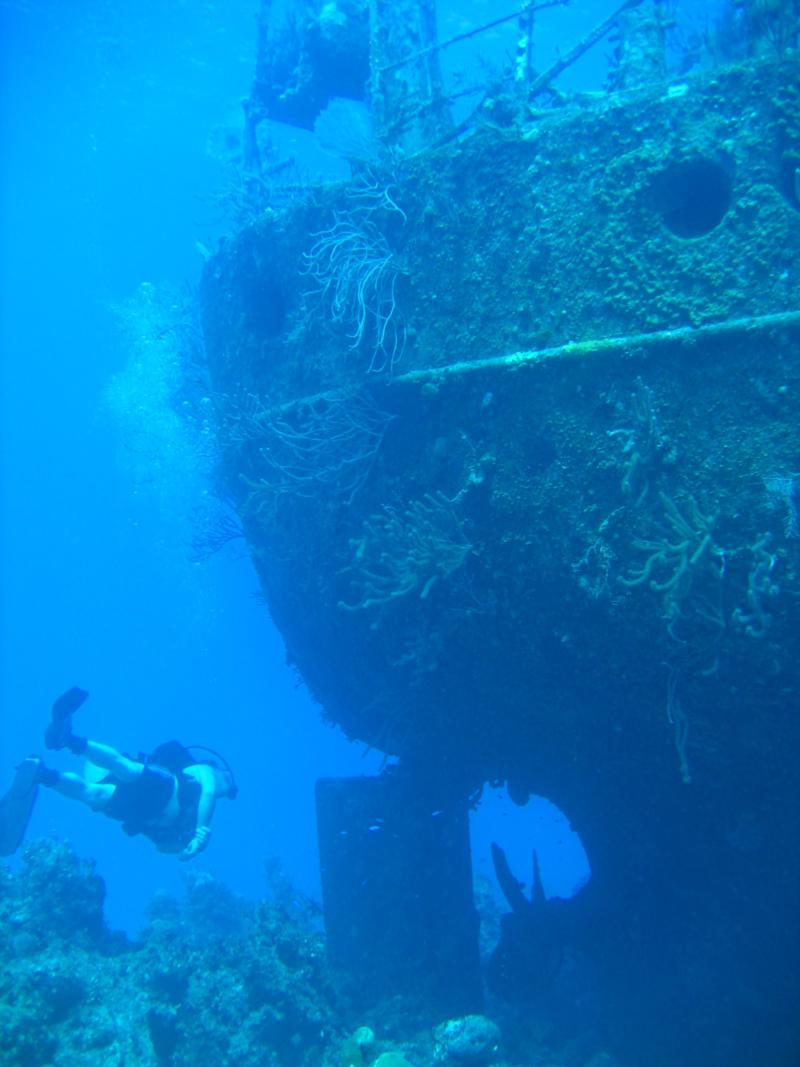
point(68, 703)
point(16, 806)
point(61, 713)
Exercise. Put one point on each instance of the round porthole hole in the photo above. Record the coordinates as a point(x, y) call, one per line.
point(692, 197)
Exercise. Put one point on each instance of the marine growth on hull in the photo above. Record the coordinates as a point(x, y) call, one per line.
point(509, 416)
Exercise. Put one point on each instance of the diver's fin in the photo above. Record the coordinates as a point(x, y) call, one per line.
point(16, 806)
point(68, 703)
point(60, 727)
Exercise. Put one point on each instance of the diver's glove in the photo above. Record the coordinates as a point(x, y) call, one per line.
point(202, 836)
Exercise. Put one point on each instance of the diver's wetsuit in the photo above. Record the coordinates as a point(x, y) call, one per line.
point(142, 804)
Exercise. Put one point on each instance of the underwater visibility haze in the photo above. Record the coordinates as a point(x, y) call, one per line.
point(400, 538)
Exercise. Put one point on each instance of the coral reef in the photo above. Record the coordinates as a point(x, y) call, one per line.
point(211, 979)
point(473, 1039)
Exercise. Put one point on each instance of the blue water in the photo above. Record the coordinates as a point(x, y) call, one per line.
point(107, 109)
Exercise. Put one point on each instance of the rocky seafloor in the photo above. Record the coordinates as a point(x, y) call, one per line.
point(211, 979)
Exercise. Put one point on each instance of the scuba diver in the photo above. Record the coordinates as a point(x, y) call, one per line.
point(169, 796)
